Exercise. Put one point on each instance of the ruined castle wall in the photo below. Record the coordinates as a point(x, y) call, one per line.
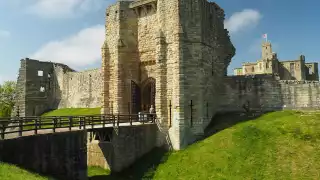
point(203, 64)
point(82, 89)
point(44, 86)
point(41, 84)
point(265, 93)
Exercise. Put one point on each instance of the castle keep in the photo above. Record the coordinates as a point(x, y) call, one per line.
point(285, 70)
point(160, 51)
point(172, 55)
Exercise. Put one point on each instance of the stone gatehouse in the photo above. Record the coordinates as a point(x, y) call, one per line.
point(160, 51)
point(156, 52)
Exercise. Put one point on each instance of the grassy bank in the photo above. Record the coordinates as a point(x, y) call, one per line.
point(10, 172)
point(73, 112)
point(277, 145)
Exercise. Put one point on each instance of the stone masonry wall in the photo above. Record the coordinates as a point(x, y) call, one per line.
point(44, 86)
point(266, 93)
point(128, 143)
point(82, 89)
point(206, 52)
point(60, 155)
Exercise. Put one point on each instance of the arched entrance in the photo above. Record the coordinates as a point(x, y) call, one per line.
point(148, 94)
point(135, 98)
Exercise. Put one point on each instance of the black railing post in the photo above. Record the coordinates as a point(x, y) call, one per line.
point(54, 124)
point(79, 118)
point(84, 122)
point(130, 119)
point(191, 120)
point(118, 119)
point(20, 126)
point(170, 120)
point(113, 120)
point(39, 122)
point(60, 122)
point(143, 117)
point(103, 120)
point(92, 122)
point(36, 126)
point(70, 123)
point(3, 129)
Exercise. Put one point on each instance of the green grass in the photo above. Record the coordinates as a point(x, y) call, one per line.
point(277, 145)
point(11, 172)
point(73, 112)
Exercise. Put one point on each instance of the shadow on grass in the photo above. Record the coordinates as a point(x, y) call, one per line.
point(144, 168)
point(223, 121)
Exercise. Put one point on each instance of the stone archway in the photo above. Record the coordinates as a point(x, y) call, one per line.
point(148, 94)
point(135, 98)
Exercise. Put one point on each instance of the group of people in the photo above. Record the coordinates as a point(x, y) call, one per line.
point(150, 116)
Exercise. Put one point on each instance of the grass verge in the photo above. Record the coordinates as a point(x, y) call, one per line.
point(277, 145)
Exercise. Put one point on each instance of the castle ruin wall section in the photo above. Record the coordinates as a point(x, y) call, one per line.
point(44, 86)
point(266, 93)
point(82, 89)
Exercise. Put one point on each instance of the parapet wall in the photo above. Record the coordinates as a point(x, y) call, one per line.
point(43, 86)
point(60, 155)
point(265, 92)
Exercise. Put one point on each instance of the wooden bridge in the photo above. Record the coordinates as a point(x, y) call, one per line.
point(13, 127)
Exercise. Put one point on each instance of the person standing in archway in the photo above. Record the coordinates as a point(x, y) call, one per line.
point(152, 112)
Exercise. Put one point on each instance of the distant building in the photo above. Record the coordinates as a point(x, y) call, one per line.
point(286, 70)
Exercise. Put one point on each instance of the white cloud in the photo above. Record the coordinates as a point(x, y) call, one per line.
point(79, 50)
point(64, 8)
point(240, 21)
point(4, 34)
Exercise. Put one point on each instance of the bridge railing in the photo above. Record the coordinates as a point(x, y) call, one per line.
point(19, 125)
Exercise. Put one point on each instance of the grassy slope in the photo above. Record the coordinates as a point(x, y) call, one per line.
point(279, 145)
point(10, 172)
point(73, 112)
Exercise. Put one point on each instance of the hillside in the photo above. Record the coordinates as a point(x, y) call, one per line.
point(278, 145)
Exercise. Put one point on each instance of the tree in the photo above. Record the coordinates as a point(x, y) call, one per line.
point(7, 95)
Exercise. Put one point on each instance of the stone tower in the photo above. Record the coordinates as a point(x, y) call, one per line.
point(158, 52)
point(269, 59)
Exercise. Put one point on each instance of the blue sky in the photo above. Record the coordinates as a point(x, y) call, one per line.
point(71, 31)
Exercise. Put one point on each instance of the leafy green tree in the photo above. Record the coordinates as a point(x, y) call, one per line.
point(7, 95)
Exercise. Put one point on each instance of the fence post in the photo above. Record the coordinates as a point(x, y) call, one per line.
point(36, 126)
point(170, 115)
point(130, 119)
point(20, 126)
point(79, 118)
point(113, 120)
point(92, 122)
point(3, 128)
point(39, 122)
point(70, 123)
point(118, 119)
point(191, 120)
point(103, 120)
point(84, 122)
point(54, 124)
